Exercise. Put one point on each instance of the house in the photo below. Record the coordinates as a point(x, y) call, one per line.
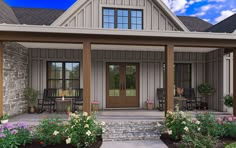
point(118, 51)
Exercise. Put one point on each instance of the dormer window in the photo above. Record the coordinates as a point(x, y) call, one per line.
point(122, 18)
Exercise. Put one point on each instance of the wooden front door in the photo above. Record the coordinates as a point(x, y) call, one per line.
point(122, 85)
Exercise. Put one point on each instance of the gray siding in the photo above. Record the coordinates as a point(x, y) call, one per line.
point(89, 15)
point(214, 76)
point(151, 69)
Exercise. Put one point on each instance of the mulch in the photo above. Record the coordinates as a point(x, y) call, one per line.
point(223, 141)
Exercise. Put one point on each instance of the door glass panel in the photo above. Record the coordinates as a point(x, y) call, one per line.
point(114, 80)
point(131, 80)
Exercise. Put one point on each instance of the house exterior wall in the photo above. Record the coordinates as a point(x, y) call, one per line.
point(15, 78)
point(89, 15)
point(151, 69)
point(214, 76)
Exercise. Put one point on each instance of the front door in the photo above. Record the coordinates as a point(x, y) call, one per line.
point(122, 81)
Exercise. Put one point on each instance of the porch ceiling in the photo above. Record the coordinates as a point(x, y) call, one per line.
point(29, 33)
point(113, 47)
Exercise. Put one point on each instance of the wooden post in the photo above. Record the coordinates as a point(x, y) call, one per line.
point(1, 78)
point(87, 77)
point(234, 82)
point(169, 81)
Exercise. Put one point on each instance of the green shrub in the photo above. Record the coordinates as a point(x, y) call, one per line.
point(230, 129)
point(228, 101)
point(232, 145)
point(175, 123)
point(209, 125)
point(13, 136)
point(82, 130)
point(50, 131)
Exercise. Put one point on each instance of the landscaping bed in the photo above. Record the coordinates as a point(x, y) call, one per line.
point(204, 130)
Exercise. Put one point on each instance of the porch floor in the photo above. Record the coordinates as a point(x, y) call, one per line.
point(108, 115)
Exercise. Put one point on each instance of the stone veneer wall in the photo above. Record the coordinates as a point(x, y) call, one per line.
point(15, 78)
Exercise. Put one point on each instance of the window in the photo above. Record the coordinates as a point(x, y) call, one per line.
point(182, 75)
point(122, 18)
point(63, 76)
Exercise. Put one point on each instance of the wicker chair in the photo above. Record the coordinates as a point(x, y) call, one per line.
point(48, 101)
point(78, 99)
point(191, 102)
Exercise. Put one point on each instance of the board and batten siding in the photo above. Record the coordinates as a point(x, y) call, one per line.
point(89, 15)
point(215, 77)
point(151, 69)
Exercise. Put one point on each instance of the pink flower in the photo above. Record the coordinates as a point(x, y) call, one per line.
point(41, 142)
point(95, 102)
point(230, 119)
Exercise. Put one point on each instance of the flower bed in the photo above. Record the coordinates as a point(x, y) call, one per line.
point(79, 131)
point(205, 130)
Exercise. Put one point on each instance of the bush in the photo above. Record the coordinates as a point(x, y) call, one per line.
point(209, 125)
point(50, 131)
point(175, 123)
point(232, 145)
point(194, 138)
point(228, 101)
point(14, 136)
point(82, 130)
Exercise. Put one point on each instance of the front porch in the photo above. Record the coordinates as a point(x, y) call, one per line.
point(93, 71)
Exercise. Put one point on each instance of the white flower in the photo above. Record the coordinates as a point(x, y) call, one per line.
point(88, 133)
point(181, 112)
point(85, 114)
point(158, 124)
point(72, 126)
point(68, 141)
point(183, 122)
point(186, 129)
point(199, 129)
point(103, 123)
point(103, 130)
point(86, 126)
point(55, 133)
point(197, 122)
point(88, 117)
point(169, 132)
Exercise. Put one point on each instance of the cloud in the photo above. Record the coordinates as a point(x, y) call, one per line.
point(216, 0)
point(193, 1)
point(223, 15)
point(176, 5)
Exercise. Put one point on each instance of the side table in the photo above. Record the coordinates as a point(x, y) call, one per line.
point(62, 105)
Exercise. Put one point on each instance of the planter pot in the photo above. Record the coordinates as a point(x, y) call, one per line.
point(31, 110)
point(4, 121)
point(95, 107)
point(150, 106)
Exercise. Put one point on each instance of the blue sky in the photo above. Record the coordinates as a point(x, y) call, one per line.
point(210, 10)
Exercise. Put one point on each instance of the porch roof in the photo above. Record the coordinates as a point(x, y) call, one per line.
point(32, 33)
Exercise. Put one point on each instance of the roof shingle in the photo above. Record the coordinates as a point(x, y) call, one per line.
point(228, 25)
point(36, 16)
point(194, 23)
point(6, 14)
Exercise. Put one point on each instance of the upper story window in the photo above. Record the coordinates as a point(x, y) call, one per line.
point(122, 18)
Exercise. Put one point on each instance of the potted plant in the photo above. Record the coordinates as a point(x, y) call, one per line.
point(4, 118)
point(228, 101)
point(95, 106)
point(150, 104)
point(205, 90)
point(31, 95)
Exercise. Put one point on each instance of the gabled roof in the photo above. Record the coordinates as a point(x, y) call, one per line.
point(79, 3)
point(6, 14)
point(227, 25)
point(36, 16)
point(195, 23)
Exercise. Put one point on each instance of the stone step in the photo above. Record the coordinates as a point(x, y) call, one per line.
point(131, 130)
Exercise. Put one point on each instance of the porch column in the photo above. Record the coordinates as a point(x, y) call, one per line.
point(169, 81)
point(1, 78)
point(234, 82)
point(86, 77)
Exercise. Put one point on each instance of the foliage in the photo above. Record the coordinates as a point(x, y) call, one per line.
point(232, 145)
point(4, 116)
point(209, 125)
point(175, 123)
point(228, 101)
point(229, 123)
point(50, 131)
point(193, 136)
point(205, 89)
point(83, 130)
point(31, 95)
point(13, 136)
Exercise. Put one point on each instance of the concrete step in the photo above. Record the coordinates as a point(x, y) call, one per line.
point(131, 130)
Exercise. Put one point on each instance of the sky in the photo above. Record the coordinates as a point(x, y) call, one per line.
point(212, 11)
